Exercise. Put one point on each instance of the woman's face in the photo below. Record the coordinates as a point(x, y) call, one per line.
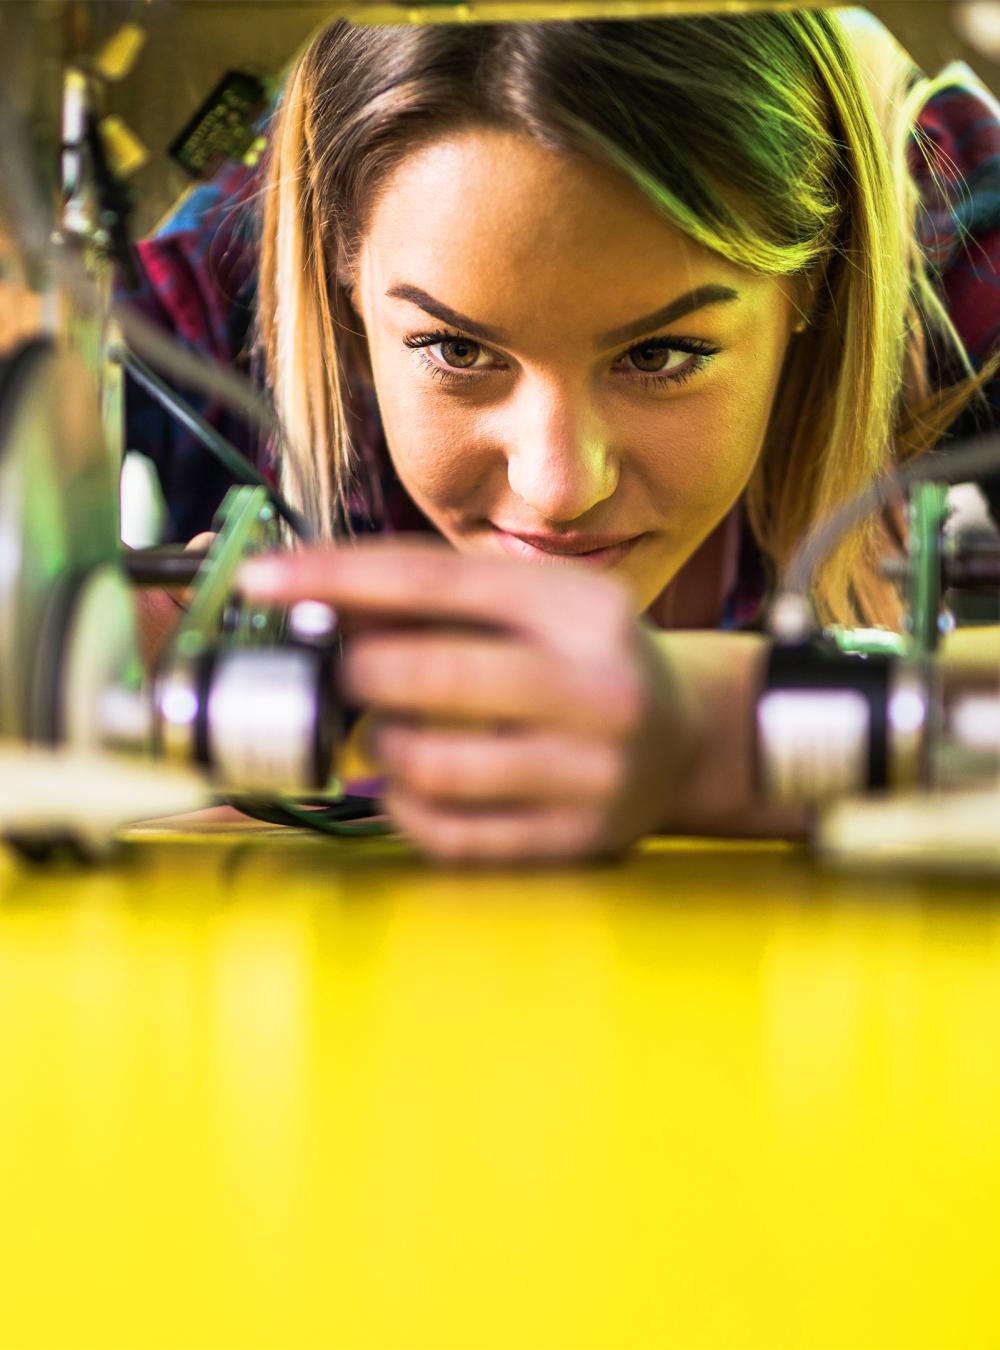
point(562, 375)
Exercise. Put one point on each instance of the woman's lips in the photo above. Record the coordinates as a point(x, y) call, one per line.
point(591, 550)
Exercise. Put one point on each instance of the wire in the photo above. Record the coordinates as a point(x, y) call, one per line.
point(194, 370)
point(233, 459)
point(350, 817)
point(961, 463)
point(29, 215)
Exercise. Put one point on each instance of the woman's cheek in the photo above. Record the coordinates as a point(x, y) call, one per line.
point(738, 411)
point(433, 443)
point(698, 454)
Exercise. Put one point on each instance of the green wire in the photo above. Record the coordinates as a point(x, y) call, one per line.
point(321, 821)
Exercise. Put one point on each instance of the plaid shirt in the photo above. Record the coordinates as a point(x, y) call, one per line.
point(197, 281)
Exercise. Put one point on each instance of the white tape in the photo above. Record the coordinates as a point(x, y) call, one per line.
point(262, 719)
point(813, 743)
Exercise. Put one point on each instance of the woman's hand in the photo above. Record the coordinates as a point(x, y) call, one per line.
point(520, 711)
point(158, 611)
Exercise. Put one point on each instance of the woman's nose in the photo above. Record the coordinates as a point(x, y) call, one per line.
point(560, 463)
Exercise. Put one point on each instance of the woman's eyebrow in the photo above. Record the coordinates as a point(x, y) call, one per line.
point(445, 313)
point(684, 304)
point(676, 309)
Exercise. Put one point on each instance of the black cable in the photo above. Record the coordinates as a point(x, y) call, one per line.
point(232, 459)
point(29, 213)
point(194, 370)
point(115, 202)
point(964, 462)
point(349, 817)
point(30, 216)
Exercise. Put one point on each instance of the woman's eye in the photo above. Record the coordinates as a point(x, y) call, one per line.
point(459, 353)
point(656, 362)
point(655, 359)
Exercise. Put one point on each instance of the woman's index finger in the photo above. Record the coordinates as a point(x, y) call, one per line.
point(565, 608)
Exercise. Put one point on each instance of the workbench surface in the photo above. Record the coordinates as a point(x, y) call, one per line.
point(259, 1089)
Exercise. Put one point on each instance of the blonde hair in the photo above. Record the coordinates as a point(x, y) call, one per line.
point(753, 133)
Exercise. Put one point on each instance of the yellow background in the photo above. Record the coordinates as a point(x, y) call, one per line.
point(257, 1090)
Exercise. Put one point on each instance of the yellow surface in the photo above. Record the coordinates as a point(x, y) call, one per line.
point(261, 1091)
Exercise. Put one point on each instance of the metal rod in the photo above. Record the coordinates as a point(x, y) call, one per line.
point(163, 566)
